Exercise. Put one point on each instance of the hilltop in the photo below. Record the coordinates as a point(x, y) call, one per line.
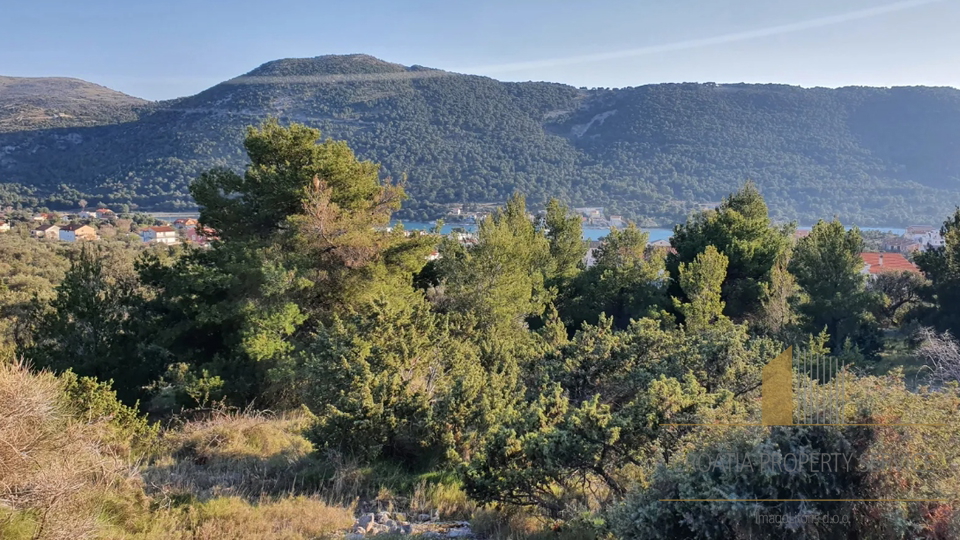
point(28, 103)
point(873, 156)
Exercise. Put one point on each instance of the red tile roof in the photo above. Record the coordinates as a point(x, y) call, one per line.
point(161, 229)
point(892, 262)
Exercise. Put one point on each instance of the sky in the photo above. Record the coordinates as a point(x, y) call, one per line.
point(173, 48)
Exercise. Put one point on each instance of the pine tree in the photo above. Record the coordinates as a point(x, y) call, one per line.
point(701, 282)
point(740, 229)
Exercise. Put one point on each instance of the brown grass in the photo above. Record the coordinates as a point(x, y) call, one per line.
point(60, 476)
point(449, 501)
point(247, 455)
point(291, 518)
point(513, 523)
point(54, 471)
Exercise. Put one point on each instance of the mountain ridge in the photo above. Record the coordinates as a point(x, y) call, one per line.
point(28, 103)
point(870, 155)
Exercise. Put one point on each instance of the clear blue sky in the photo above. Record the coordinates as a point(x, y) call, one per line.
point(171, 48)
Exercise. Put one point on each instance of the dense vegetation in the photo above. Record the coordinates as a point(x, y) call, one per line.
point(503, 381)
point(871, 156)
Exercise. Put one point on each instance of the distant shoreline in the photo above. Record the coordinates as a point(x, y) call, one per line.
point(590, 231)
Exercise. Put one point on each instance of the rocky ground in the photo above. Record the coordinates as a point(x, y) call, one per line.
point(423, 525)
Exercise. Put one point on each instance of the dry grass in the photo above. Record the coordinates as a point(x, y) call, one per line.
point(291, 518)
point(448, 500)
point(61, 477)
point(54, 471)
point(512, 523)
point(238, 476)
point(506, 524)
point(248, 455)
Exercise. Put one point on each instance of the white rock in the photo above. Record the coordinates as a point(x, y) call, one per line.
point(460, 532)
point(366, 521)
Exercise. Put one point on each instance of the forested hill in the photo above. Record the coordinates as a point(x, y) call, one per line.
point(868, 155)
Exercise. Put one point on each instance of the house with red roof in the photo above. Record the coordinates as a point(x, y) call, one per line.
point(200, 236)
point(878, 263)
point(183, 223)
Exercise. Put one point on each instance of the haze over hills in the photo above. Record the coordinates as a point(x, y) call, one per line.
point(28, 103)
point(872, 156)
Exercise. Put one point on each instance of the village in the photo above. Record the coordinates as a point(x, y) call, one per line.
point(591, 217)
point(892, 253)
point(889, 253)
point(92, 225)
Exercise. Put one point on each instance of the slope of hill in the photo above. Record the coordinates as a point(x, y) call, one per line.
point(867, 155)
point(28, 103)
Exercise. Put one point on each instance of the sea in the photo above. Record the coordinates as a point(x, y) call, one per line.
point(589, 233)
point(596, 233)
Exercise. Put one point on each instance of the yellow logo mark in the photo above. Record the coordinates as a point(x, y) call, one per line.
point(776, 401)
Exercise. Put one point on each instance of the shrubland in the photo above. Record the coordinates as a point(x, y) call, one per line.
point(314, 363)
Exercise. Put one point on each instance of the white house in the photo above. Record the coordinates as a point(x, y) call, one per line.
point(47, 231)
point(4, 226)
point(929, 239)
point(590, 258)
point(159, 235)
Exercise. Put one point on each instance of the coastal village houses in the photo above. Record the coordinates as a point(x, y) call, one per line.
point(159, 235)
point(74, 233)
point(51, 232)
point(184, 223)
point(916, 238)
point(926, 236)
point(877, 263)
point(200, 237)
point(901, 244)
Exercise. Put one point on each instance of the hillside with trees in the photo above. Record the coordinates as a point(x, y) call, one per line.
point(313, 372)
point(873, 156)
